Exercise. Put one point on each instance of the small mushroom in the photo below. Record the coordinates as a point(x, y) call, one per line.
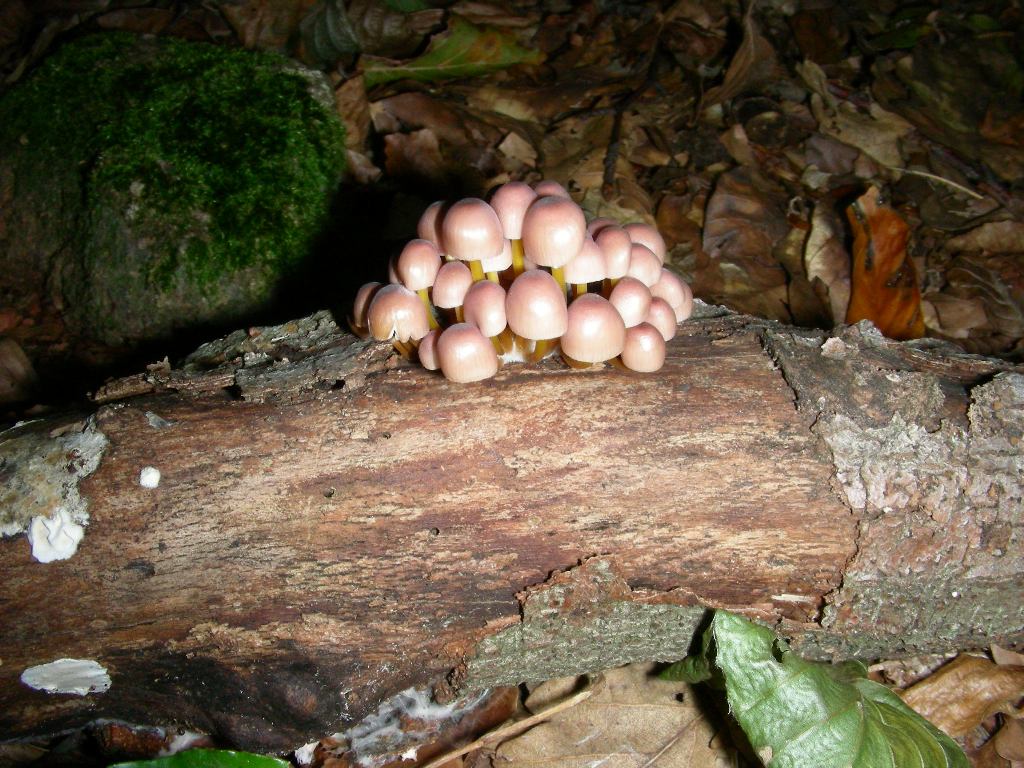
point(644, 350)
point(429, 225)
point(396, 314)
point(616, 246)
point(595, 332)
point(484, 307)
point(587, 267)
point(510, 202)
point(662, 317)
point(427, 350)
point(495, 266)
point(554, 229)
point(357, 320)
point(549, 188)
point(536, 311)
point(676, 292)
point(643, 264)
point(450, 286)
point(465, 354)
point(417, 268)
point(647, 235)
point(471, 232)
point(633, 300)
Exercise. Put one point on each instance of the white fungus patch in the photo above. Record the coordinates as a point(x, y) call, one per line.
point(304, 754)
point(386, 734)
point(55, 537)
point(149, 477)
point(76, 676)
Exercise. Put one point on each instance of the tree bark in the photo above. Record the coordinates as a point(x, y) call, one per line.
point(333, 524)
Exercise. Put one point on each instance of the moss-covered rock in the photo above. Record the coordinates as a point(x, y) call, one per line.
point(158, 183)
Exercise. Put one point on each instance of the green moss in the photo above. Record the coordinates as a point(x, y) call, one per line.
point(225, 153)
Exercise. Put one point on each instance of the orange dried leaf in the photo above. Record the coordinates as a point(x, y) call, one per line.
point(884, 285)
point(962, 694)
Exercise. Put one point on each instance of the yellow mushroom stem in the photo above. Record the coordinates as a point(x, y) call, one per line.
point(476, 268)
point(404, 348)
point(493, 277)
point(541, 348)
point(459, 316)
point(517, 257)
point(425, 298)
point(578, 289)
point(559, 274)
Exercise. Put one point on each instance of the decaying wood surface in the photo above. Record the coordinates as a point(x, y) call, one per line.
point(333, 524)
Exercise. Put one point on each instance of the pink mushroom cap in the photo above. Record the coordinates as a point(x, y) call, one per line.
point(427, 350)
point(647, 235)
point(644, 350)
point(535, 306)
point(676, 292)
point(471, 231)
point(429, 225)
point(510, 202)
point(554, 229)
point(501, 262)
point(362, 303)
point(465, 354)
point(662, 317)
point(633, 300)
point(549, 188)
point(643, 264)
point(595, 330)
point(418, 264)
point(616, 246)
point(450, 286)
point(396, 313)
point(587, 266)
point(484, 307)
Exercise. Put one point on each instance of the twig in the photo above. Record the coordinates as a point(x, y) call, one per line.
point(941, 179)
point(671, 743)
point(512, 729)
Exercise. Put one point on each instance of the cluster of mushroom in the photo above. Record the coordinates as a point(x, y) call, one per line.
point(522, 278)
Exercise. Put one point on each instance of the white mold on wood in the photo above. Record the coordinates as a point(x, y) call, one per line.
point(149, 477)
point(79, 677)
point(55, 537)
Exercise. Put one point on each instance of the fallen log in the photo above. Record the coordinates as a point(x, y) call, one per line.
point(332, 524)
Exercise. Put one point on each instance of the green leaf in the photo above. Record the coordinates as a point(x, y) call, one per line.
point(805, 714)
point(464, 50)
point(208, 758)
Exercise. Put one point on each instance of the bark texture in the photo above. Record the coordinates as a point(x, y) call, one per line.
point(333, 524)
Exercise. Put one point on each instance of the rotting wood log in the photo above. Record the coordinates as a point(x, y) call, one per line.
point(333, 524)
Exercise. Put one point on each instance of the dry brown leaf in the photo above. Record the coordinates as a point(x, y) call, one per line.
point(951, 316)
point(827, 262)
point(753, 64)
point(415, 155)
point(353, 108)
point(633, 719)
point(876, 133)
point(744, 219)
point(883, 281)
point(806, 307)
point(1009, 740)
point(1004, 656)
point(266, 25)
point(994, 237)
point(987, 757)
point(963, 693)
